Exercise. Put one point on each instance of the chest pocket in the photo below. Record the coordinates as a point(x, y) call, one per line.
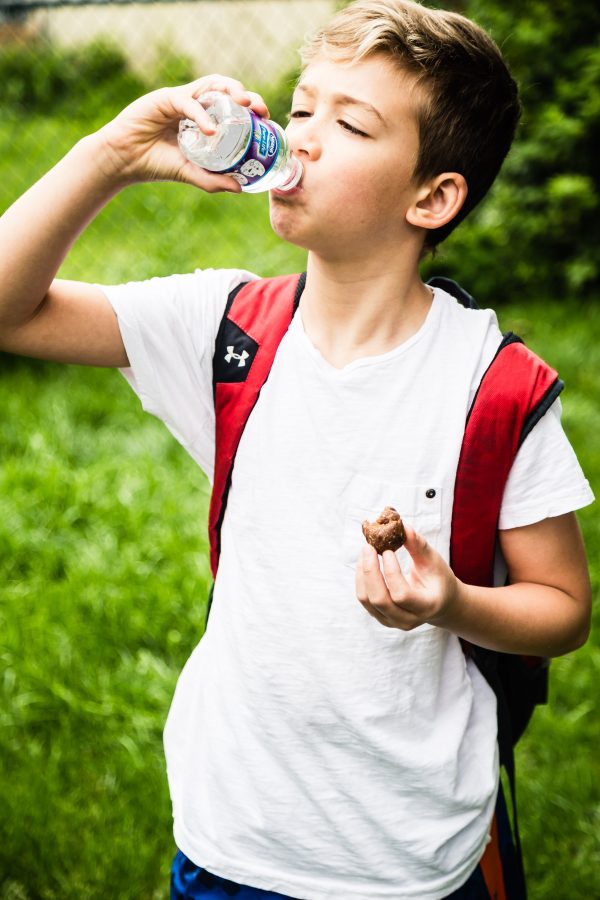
point(419, 505)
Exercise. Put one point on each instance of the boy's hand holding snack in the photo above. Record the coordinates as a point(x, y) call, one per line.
point(406, 601)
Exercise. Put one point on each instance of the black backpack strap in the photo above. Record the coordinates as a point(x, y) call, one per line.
point(454, 289)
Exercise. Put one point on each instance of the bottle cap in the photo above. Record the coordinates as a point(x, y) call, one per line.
point(296, 171)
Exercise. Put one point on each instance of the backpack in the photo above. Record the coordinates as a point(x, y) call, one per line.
point(516, 390)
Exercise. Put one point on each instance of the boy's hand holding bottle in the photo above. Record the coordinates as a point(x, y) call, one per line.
point(141, 143)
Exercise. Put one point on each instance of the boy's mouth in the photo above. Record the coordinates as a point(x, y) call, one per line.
point(293, 192)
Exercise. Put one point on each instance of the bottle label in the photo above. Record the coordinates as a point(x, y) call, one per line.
point(260, 155)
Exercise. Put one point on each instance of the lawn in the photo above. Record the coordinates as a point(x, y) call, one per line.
point(104, 575)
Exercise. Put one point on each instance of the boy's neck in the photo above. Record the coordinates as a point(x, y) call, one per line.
point(352, 310)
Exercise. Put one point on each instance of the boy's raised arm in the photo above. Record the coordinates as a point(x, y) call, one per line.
point(72, 321)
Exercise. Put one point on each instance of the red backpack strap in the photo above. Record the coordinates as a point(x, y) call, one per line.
point(515, 392)
point(256, 317)
point(517, 389)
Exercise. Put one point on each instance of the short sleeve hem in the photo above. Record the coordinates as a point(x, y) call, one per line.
point(546, 479)
point(517, 517)
point(138, 373)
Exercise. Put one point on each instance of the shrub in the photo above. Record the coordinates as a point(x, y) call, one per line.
point(538, 230)
point(41, 78)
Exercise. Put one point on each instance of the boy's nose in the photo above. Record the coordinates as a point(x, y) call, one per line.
point(305, 143)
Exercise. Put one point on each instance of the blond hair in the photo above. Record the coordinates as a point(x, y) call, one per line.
point(470, 106)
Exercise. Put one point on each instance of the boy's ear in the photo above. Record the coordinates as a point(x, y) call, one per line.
point(438, 201)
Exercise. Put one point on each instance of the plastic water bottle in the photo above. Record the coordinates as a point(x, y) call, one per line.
point(251, 149)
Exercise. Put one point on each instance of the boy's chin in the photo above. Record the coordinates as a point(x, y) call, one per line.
point(286, 229)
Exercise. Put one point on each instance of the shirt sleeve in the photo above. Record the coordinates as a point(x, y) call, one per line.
point(546, 478)
point(169, 326)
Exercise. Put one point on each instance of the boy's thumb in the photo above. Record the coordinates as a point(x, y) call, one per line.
point(416, 544)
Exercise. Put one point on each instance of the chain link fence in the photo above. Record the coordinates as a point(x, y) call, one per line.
point(67, 67)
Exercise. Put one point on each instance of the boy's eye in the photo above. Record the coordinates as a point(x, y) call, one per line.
point(303, 113)
point(348, 127)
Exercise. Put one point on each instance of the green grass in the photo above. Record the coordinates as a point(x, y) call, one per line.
point(104, 575)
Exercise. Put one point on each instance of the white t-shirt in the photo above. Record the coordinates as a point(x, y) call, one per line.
point(311, 751)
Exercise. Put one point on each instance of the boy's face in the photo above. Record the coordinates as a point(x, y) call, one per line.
point(354, 128)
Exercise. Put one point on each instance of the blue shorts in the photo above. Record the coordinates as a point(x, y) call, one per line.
point(190, 882)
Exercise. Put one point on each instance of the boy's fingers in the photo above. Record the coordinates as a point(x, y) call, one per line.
point(217, 82)
point(370, 585)
point(362, 593)
point(370, 579)
point(372, 590)
point(193, 110)
point(374, 587)
point(379, 615)
point(234, 88)
point(417, 546)
point(360, 584)
point(394, 578)
point(401, 594)
point(218, 184)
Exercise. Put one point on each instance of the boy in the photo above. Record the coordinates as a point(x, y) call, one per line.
point(328, 737)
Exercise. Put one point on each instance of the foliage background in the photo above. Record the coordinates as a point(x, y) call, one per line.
point(546, 200)
point(103, 563)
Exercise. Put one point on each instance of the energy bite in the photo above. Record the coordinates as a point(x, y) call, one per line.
point(386, 532)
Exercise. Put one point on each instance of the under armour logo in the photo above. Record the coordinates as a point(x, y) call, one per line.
point(233, 344)
point(241, 357)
